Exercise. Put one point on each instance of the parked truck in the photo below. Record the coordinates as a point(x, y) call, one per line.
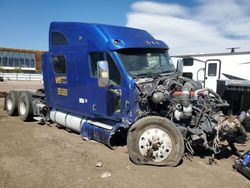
point(118, 85)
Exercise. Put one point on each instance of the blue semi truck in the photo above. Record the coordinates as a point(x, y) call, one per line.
point(118, 85)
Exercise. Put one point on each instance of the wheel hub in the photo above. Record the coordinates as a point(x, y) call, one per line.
point(9, 104)
point(22, 108)
point(156, 144)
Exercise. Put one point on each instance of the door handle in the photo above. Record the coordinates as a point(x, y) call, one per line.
point(117, 92)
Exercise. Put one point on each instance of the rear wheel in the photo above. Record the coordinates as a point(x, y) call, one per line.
point(155, 141)
point(11, 102)
point(25, 110)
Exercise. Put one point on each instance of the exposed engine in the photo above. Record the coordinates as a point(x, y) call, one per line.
point(195, 111)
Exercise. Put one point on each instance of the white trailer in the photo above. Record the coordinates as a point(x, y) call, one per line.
point(226, 73)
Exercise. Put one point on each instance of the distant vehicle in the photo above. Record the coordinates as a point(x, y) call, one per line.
point(1, 79)
point(118, 85)
point(225, 73)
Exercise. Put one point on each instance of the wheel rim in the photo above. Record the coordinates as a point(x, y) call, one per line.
point(22, 107)
point(155, 144)
point(9, 104)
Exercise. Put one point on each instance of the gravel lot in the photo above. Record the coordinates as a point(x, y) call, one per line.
point(32, 155)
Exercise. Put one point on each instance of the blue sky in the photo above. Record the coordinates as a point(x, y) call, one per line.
point(187, 26)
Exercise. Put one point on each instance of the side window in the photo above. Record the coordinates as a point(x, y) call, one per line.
point(59, 64)
point(94, 58)
point(58, 38)
point(188, 74)
point(10, 62)
point(16, 62)
point(21, 62)
point(32, 65)
point(188, 61)
point(212, 69)
point(114, 74)
point(5, 61)
point(27, 62)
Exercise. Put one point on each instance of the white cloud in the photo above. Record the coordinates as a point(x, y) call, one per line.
point(157, 8)
point(211, 26)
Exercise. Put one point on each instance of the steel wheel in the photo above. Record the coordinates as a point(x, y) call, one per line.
point(155, 141)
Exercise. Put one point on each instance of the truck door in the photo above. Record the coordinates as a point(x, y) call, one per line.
point(212, 73)
point(105, 102)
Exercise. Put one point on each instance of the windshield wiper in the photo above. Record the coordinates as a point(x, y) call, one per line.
point(166, 72)
point(154, 74)
point(146, 74)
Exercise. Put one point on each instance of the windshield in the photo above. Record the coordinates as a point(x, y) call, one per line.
point(143, 62)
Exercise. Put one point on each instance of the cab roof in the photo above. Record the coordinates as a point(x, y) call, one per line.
point(101, 37)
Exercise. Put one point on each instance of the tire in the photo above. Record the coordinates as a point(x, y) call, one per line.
point(11, 102)
point(25, 109)
point(155, 141)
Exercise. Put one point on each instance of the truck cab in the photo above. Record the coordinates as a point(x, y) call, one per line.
point(71, 67)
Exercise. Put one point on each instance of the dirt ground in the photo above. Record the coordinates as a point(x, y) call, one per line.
point(32, 155)
point(20, 85)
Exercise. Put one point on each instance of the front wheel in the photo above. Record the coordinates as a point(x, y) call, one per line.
point(155, 141)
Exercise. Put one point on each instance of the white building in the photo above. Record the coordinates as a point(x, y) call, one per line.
point(26, 60)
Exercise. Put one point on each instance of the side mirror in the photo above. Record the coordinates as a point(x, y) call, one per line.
point(103, 73)
point(179, 67)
